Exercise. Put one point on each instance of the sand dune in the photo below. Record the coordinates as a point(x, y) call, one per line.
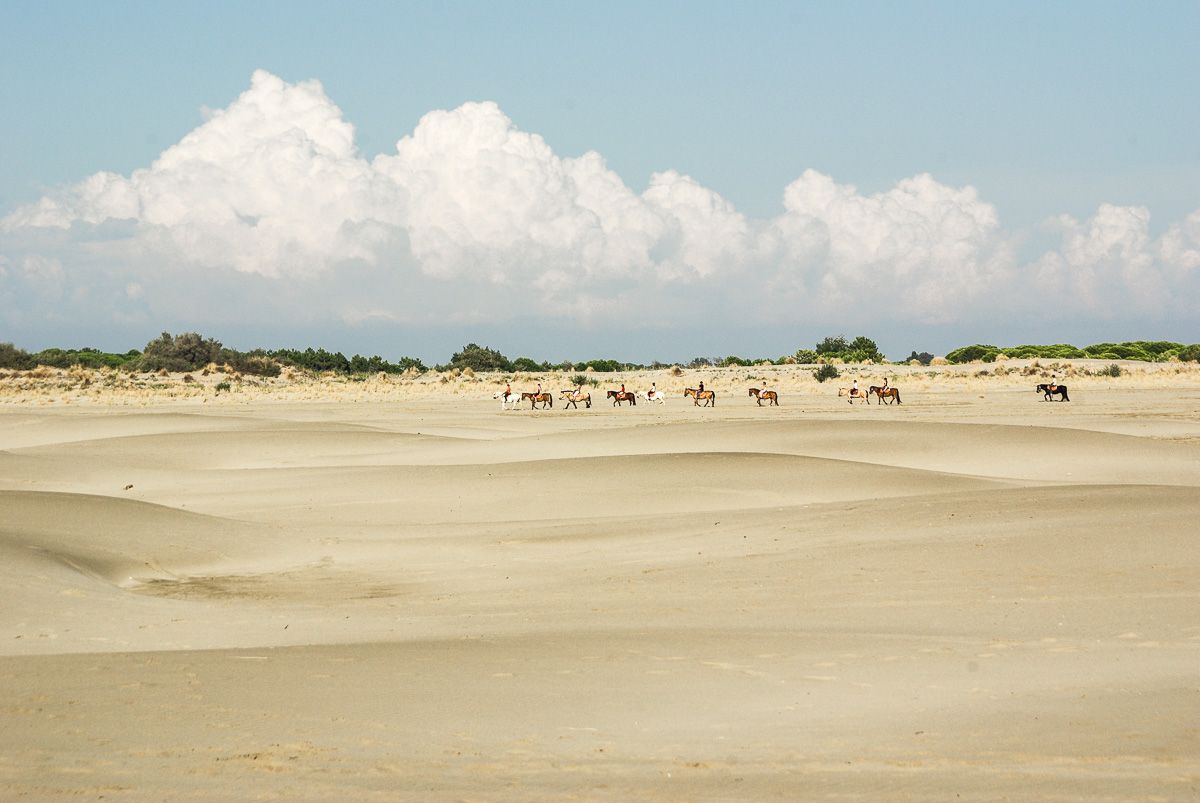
point(414, 600)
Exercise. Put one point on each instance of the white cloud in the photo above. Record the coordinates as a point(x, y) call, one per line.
point(1110, 265)
point(473, 219)
point(921, 250)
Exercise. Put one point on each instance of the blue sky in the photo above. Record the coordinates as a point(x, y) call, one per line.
point(1045, 111)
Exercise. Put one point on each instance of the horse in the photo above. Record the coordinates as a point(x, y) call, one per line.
point(769, 395)
point(710, 398)
point(547, 399)
point(572, 399)
point(854, 394)
point(511, 398)
point(619, 396)
point(1061, 390)
point(882, 393)
point(657, 396)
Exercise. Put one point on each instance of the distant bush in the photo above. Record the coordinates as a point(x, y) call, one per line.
point(223, 386)
point(257, 363)
point(734, 360)
point(979, 351)
point(1189, 353)
point(86, 357)
point(924, 358)
point(1111, 370)
point(480, 358)
point(528, 365)
point(1057, 351)
point(806, 356)
point(825, 372)
point(186, 352)
point(13, 357)
point(700, 362)
point(604, 366)
point(859, 349)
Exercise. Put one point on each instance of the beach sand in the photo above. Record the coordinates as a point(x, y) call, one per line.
point(393, 590)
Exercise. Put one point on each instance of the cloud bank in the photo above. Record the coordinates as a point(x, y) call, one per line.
point(268, 208)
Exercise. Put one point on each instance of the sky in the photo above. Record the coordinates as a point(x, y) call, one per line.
point(567, 181)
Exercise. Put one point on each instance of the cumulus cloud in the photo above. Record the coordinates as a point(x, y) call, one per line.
point(922, 248)
point(1111, 266)
point(472, 219)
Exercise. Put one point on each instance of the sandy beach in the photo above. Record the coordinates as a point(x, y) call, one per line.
point(391, 589)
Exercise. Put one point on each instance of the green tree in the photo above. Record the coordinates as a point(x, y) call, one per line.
point(13, 357)
point(480, 358)
point(833, 346)
point(527, 364)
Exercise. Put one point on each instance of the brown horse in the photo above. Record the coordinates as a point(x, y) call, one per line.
point(882, 393)
point(620, 396)
point(710, 398)
point(546, 399)
point(572, 400)
point(769, 395)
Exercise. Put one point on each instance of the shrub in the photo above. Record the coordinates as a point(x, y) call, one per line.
point(1189, 353)
point(186, 352)
point(480, 358)
point(526, 364)
point(806, 356)
point(924, 358)
point(1111, 370)
point(223, 386)
point(979, 351)
point(826, 371)
point(833, 345)
point(602, 366)
point(13, 357)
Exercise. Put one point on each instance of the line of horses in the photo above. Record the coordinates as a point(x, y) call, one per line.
point(545, 399)
point(882, 394)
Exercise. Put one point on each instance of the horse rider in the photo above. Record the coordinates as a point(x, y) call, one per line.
point(507, 390)
point(623, 393)
point(1054, 383)
point(854, 391)
point(885, 383)
point(701, 386)
point(539, 389)
point(762, 393)
point(578, 392)
point(653, 391)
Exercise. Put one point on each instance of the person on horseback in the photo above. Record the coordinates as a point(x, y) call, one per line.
point(762, 393)
point(578, 391)
point(701, 385)
point(507, 390)
point(539, 389)
point(885, 383)
point(653, 391)
point(1053, 383)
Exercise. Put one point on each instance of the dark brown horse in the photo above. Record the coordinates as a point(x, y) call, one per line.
point(769, 395)
point(710, 398)
point(572, 399)
point(883, 394)
point(546, 399)
point(619, 396)
point(1061, 390)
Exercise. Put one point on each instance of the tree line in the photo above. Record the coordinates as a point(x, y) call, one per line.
point(192, 351)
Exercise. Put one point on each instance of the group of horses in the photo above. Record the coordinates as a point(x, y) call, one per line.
point(574, 398)
point(882, 394)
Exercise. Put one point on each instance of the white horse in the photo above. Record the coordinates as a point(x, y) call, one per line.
point(512, 399)
point(657, 396)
